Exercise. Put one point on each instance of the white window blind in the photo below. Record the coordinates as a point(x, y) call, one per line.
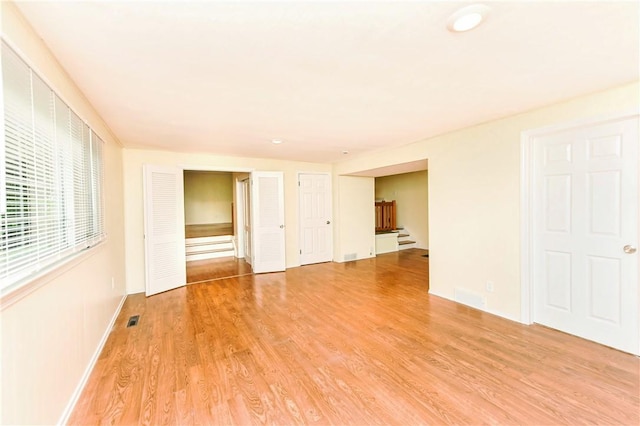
point(51, 169)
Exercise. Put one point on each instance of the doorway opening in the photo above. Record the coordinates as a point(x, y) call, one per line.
point(211, 234)
point(402, 211)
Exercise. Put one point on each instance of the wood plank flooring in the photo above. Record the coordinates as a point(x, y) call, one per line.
point(352, 343)
point(208, 230)
point(214, 269)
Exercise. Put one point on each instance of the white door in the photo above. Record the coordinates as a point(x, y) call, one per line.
point(239, 219)
point(314, 195)
point(585, 270)
point(267, 222)
point(246, 195)
point(165, 266)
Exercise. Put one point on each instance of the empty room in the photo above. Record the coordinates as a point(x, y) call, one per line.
point(319, 212)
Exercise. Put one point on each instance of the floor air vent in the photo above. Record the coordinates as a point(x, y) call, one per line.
point(133, 321)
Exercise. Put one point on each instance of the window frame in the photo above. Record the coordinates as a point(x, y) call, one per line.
point(95, 232)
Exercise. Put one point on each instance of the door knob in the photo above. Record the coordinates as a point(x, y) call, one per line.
point(629, 249)
point(328, 222)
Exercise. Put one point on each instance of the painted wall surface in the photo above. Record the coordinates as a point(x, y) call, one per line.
point(474, 195)
point(50, 335)
point(207, 197)
point(410, 190)
point(354, 229)
point(134, 159)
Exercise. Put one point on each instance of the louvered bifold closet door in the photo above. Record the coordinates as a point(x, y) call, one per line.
point(165, 258)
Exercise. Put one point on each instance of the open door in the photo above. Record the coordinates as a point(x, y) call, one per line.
point(267, 222)
point(165, 266)
point(246, 230)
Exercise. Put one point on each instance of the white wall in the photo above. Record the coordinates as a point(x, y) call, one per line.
point(355, 221)
point(207, 197)
point(474, 195)
point(50, 335)
point(410, 190)
point(134, 219)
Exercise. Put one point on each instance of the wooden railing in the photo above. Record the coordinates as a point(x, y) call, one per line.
point(385, 215)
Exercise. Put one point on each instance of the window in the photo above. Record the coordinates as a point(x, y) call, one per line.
point(51, 176)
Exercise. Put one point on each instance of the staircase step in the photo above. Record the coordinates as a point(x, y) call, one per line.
point(406, 245)
point(203, 248)
point(210, 250)
point(405, 242)
point(206, 240)
point(211, 254)
point(401, 235)
point(209, 243)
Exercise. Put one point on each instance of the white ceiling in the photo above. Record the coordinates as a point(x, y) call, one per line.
point(324, 77)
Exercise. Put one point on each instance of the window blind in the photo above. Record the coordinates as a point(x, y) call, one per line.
point(51, 176)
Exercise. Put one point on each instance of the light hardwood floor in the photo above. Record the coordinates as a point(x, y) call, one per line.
point(214, 269)
point(352, 343)
point(208, 230)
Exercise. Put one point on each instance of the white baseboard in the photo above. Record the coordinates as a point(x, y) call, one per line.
point(64, 418)
point(487, 310)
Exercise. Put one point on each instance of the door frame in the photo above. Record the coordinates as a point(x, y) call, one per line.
point(241, 206)
point(527, 146)
point(233, 183)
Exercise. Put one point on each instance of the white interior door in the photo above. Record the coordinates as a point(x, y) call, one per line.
point(165, 266)
point(267, 222)
point(246, 195)
point(316, 238)
point(586, 212)
point(239, 218)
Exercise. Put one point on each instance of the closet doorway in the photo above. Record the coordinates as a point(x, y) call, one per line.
point(211, 215)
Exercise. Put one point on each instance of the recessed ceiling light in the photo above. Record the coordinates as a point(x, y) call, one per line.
point(345, 152)
point(276, 141)
point(467, 18)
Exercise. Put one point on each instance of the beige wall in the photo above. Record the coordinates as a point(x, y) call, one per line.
point(474, 195)
point(134, 159)
point(355, 222)
point(207, 197)
point(50, 335)
point(410, 190)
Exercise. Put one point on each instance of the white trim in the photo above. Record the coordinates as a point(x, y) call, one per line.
point(238, 220)
point(487, 311)
point(227, 169)
point(526, 158)
point(64, 418)
point(526, 201)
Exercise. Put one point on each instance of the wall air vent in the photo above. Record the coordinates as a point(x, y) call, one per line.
point(469, 298)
